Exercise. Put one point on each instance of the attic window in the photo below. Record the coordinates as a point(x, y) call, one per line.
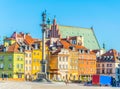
point(111, 57)
point(104, 56)
point(82, 51)
point(73, 41)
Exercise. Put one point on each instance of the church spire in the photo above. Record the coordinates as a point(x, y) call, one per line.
point(54, 20)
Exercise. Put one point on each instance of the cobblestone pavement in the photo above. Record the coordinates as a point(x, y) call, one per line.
point(34, 85)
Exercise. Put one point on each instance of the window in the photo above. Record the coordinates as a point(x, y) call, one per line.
point(30, 55)
point(66, 58)
point(26, 68)
point(29, 61)
point(102, 65)
point(1, 58)
point(111, 70)
point(18, 58)
point(34, 53)
point(1, 66)
point(9, 58)
point(107, 65)
point(103, 71)
point(73, 41)
point(17, 65)
point(118, 71)
point(66, 66)
point(63, 59)
point(21, 58)
point(26, 61)
point(34, 60)
point(10, 66)
point(98, 71)
point(37, 53)
point(60, 66)
point(29, 68)
point(26, 55)
point(110, 65)
point(59, 58)
point(63, 67)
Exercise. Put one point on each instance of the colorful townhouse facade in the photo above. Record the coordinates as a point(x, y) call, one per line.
point(12, 62)
point(27, 55)
point(69, 56)
point(59, 65)
point(87, 64)
point(36, 59)
point(108, 64)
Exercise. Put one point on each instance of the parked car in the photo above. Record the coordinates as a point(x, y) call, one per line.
point(88, 83)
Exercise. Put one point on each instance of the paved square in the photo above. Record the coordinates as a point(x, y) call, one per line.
point(35, 85)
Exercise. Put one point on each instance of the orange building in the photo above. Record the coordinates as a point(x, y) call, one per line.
point(86, 64)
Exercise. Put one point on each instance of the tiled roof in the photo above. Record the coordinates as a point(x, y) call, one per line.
point(109, 56)
point(13, 48)
point(29, 40)
point(15, 34)
point(65, 44)
point(90, 40)
point(80, 47)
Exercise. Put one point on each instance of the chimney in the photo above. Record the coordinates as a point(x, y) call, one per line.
point(67, 38)
point(28, 34)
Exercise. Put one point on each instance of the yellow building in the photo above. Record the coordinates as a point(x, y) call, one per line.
point(73, 65)
point(18, 69)
point(36, 59)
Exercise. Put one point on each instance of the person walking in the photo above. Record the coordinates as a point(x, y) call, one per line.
point(66, 82)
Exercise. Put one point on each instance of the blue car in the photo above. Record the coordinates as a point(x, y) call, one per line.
point(88, 83)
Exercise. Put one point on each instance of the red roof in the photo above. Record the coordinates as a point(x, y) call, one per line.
point(13, 48)
point(29, 40)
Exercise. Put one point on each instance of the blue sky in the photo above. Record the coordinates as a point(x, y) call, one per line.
point(25, 16)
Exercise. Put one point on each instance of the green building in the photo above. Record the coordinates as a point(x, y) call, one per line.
point(6, 64)
point(12, 62)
